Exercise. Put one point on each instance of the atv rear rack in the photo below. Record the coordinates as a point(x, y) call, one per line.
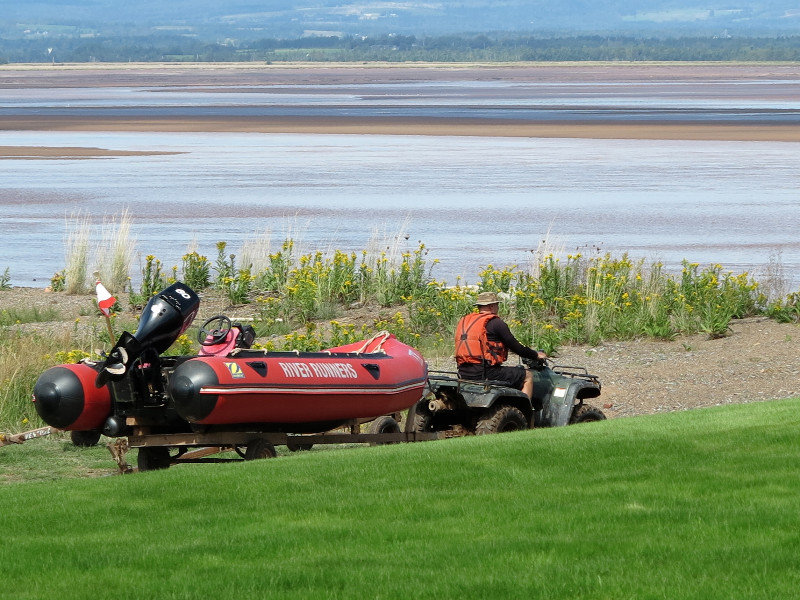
point(452, 377)
point(564, 370)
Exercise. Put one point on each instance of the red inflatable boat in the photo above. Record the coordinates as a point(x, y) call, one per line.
point(362, 380)
point(228, 384)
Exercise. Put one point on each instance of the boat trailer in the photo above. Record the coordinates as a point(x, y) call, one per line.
point(156, 449)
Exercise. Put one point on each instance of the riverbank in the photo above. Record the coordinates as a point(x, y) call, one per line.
point(298, 73)
point(756, 362)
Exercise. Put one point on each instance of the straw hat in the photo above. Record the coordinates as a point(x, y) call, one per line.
point(486, 298)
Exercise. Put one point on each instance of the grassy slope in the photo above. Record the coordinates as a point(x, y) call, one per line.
point(701, 504)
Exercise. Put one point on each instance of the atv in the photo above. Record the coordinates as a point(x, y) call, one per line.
point(467, 407)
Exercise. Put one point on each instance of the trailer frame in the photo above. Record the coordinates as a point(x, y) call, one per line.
point(200, 446)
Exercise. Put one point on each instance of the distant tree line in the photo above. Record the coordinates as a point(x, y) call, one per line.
point(397, 48)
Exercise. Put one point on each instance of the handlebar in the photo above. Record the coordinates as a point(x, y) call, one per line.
point(535, 363)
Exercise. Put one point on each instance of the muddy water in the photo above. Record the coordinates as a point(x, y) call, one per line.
point(471, 201)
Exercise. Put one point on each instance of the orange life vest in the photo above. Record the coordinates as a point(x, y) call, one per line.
point(472, 346)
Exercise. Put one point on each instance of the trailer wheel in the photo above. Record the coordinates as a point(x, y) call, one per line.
point(84, 439)
point(298, 447)
point(259, 448)
point(500, 419)
point(152, 458)
point(586, 413)
point(385, 424)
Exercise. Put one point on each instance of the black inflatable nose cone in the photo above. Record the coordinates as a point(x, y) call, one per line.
point(185, 385)
point(47, 398)
point(58, 397)
point(182, 389)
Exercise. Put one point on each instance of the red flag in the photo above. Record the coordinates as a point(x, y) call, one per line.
point(104, 299)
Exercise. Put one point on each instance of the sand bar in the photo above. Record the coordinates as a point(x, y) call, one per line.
point(58, 152)
point(405, 126)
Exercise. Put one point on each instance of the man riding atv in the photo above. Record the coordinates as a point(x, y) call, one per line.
point(489, 397)
point(482, 343)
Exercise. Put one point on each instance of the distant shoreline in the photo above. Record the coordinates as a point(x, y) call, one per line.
point(16, 75)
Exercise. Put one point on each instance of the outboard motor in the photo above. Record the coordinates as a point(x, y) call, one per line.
point(166, 316)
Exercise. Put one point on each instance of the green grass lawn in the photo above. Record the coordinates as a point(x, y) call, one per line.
point(700, 504)
point(52, 459)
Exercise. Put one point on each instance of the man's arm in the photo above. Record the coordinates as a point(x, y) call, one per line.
point(498, 330)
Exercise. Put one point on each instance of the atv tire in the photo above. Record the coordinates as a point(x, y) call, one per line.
point(500, 419)
point(586, 413)
point(423, 421)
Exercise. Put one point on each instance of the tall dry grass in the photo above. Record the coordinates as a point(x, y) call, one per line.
point(116, 251)
point(385, 246)
point(255, 252)
point(78, 227)
point(773, 278)
point(549, 245)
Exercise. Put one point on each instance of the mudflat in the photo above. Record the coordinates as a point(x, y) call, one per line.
point(254, 77)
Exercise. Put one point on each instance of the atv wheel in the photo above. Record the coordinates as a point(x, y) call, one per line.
point(423, 421)
point(259, 448)
point(500, 419)
point(586, 413)
point(385, 424)
point(152, 458)
point(84, 439)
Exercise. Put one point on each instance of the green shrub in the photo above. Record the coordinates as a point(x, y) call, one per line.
point(5, 279)
point(57, 282)
point(196, 271)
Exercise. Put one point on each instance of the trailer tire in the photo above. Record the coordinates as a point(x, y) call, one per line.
point(294, 447)
point(84, 439)
point(384, 424)
point(259, 448)
point(500, 419)
point(586, 413)
point(152, 458)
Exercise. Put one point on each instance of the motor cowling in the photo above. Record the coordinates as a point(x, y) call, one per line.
point(166, 316)
point(66, 397)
